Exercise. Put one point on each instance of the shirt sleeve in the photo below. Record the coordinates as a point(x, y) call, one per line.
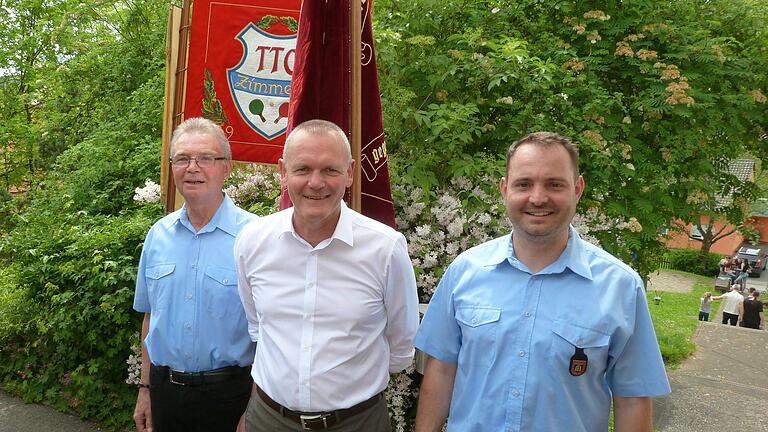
point(244, 288)
point(439, 334)
point(141, 295)
point(639, 369)
point(401, 302)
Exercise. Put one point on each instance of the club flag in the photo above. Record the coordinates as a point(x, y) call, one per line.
point(320, 90)
point(240, 64)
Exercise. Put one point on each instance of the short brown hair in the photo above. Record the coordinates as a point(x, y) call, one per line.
point(547, 139)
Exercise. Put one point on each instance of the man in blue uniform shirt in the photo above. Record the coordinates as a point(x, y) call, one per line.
point(539, 330)
point(196, 352)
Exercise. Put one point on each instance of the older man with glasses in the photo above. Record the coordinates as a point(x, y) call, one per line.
point(196, 352)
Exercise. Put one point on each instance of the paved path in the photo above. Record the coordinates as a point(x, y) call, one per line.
point(17, 416)
point(722, 387)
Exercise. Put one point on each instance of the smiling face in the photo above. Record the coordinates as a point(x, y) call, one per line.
point(200, 187)
point(541, 191)
point(316, 171)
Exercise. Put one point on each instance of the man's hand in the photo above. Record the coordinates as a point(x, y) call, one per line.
point(241, 424)
point(142, 414)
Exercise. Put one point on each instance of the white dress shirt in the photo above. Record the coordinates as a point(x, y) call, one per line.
point(331, 321)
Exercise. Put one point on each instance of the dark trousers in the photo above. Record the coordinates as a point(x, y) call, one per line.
point(703, 316)
point(262, 418)
point(197, 408)
point(730, 318)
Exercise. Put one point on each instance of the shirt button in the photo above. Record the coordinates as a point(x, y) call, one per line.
point(192, 265)
point(189, 296)
point(188, 326)
point(474, 320)
point(197, 236)
point(521, 353)
point(527, 314)
point(226, 281)
point(516, 393)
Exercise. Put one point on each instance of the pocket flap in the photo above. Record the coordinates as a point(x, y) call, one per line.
point(579, 336)
point(159, 271)
point(474, 316)
point(222, 275)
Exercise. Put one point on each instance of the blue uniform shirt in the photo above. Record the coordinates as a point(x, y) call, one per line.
point(187, 282)
point(513, 333)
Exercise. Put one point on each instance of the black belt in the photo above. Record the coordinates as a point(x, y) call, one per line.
point(200, 378)
point(318, 420)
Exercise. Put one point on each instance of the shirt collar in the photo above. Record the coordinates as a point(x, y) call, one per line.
point(224, 219)
point(343, 231)
point(574, 257)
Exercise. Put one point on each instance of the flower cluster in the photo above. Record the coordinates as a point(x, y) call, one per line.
point(149, 194)
point(134, 363)
point(678, 95)
point(574, 64)
point(697, 197)
point(596, 15)
point(255, 187)
point(593, 36)
point(442, 224)
point(595, 137)
point(644, 54)
point(758, 96)
point(718, 50)
point(623, 49)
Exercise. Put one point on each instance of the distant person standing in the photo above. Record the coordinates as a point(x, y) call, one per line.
point(705, 307)
point(732, 301)
point(751, 311)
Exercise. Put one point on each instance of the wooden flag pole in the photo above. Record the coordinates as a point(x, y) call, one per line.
point(178, 93)
point(355, 96)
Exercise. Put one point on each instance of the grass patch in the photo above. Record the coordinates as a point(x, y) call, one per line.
point(675, 319)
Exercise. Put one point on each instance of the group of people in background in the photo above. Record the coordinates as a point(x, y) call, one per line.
point(295, 321)
point(747, 312)
point(737, 270)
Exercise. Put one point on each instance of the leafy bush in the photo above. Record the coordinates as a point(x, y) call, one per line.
point(692, 261)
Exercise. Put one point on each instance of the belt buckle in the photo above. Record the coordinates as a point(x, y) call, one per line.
point(170, 372)
point(307, 421)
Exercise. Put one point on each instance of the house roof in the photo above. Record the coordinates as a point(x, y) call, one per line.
point(743, 170)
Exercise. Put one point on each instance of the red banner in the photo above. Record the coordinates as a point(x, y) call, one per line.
point(240, 65)
point(320, 90)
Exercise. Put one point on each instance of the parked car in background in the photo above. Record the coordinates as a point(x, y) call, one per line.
point(757, 255)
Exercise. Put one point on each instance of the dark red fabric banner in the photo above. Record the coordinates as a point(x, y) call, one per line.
point(240, 63)
point(320, 90)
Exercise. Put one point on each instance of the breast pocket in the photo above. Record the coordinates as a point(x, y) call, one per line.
point(567, 337)
point(221, 293)
point(478, 334)
point(159, 285)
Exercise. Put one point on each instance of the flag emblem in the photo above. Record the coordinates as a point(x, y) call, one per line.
point(260, 84)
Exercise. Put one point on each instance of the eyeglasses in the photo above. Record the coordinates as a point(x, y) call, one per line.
point(205, 161)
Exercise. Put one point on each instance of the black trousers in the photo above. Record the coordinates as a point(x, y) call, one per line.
point(730, 318)
point(197, 408)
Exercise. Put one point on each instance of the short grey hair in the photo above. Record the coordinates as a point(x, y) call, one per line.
point(547, 139)
point(203, 126)
point(318, 128)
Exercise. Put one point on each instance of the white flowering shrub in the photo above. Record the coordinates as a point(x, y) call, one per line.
point(134, 363)
point(255, 187)
point(442, 223)
point(149, 194)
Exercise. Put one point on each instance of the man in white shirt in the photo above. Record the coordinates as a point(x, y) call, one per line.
point(731, 301)
point(330, 297)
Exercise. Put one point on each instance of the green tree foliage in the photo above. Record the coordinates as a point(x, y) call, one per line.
point(70, 245)
point(659, 96)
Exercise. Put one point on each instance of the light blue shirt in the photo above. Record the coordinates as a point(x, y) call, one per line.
point(513, 333)
point(187, 282)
